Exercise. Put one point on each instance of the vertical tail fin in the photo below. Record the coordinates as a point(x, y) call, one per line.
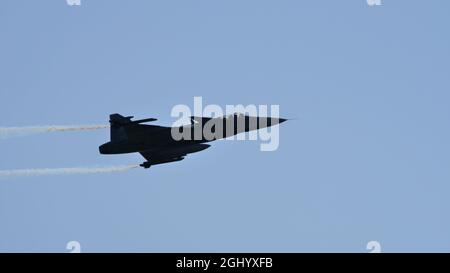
point(118, 122)
point(119, 125)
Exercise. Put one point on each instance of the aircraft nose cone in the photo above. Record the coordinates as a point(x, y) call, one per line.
point(281, 120)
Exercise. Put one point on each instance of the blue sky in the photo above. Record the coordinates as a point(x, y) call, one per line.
point(367, 159)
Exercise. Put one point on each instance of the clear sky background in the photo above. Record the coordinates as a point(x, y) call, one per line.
point(367, 159)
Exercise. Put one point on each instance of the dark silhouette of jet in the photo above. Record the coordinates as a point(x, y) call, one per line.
point(158, 145)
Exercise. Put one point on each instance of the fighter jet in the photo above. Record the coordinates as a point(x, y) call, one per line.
point(159, 144)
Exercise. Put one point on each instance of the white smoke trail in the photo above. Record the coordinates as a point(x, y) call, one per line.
point(65, 171)
point(29, 130)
